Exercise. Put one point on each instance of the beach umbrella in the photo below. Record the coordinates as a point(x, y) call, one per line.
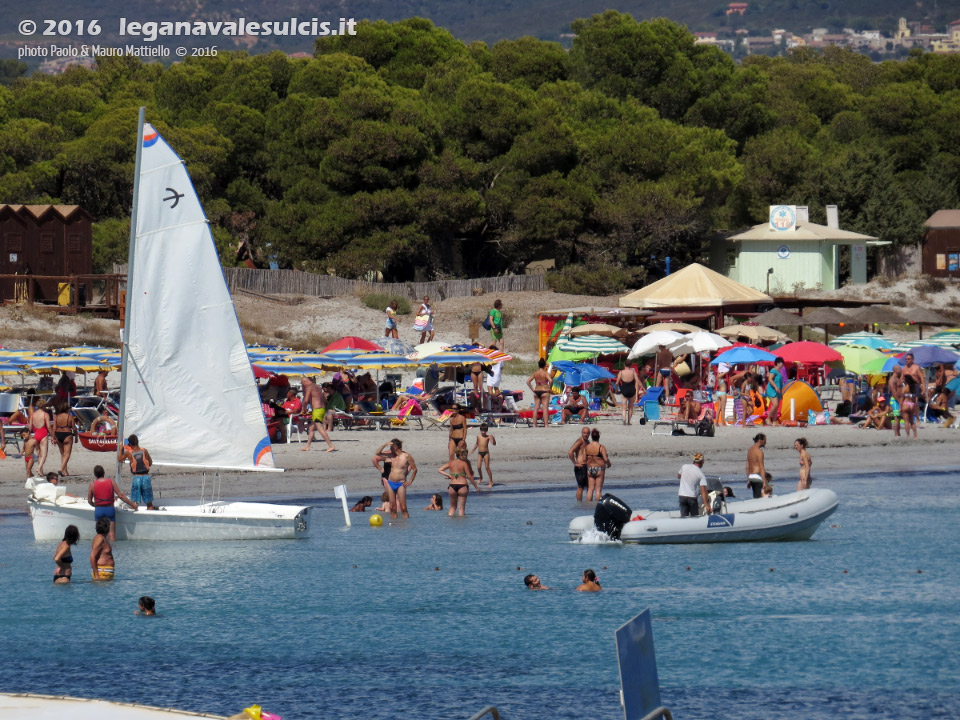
point(593, 344)
point(677, 327)
point(64, 363)
point(756, 333)
point(451, 357)
point(492, 355)
point(946, 337)
point(698, 342)
point(375, 361)
point(557, 355)
point(924, 316)
point(863, 339)
point(286, 367)
point(393, 345)
point(808, 353)
point(426, 349)
point(943, 342)
point(954, 385)
point(857, 359)
point(778, 317)
point(10, 369)
point(927, 355)
point(651, 342)
point(876, 314)
point(311, 359)
point(743, 355)
point(259, 373)
point(599, 329)
point(577, 374)
point(83, 350)
point(567, 326)
point(352, 343)
point(825, 317)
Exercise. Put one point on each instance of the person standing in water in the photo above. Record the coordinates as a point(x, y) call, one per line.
point(403, 471)
point(482, 448)
point(806, 464)
point(576, 457)
point(589, 582)
point(756, 471)
point(101, 494)
point(141, 489)
point(458, 471)
point(597, 461)
point(101, 555)
point(63, 556)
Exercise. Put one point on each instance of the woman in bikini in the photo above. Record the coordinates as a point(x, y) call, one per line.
point(458, 431)
point(458, 471)
point(806, 464)
point(63, 557)
point(101, 554)
point(539, 383)
point(476, 375)
point(908, 408)
point(596, 461)
point(627, 380)
point(64, 431)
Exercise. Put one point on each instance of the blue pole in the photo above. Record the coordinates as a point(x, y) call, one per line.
point(668, 264)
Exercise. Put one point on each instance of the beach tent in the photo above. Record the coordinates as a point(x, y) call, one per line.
point(804, 400)
point(693, 286)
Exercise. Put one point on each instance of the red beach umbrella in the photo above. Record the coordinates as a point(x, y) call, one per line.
point(260, 373)
point(352, 343)
point(808, 353)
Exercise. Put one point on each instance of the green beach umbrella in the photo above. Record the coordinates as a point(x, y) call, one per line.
point(593, 345)
point(856, 358)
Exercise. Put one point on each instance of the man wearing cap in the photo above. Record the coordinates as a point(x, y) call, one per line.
point(692, 481)
point(879, 415)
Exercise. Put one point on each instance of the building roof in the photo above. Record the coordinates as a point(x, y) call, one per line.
point(38, 211)
point(944, 219)
point(693, 286)
point(805, 232)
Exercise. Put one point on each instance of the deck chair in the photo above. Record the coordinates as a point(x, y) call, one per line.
point(86, 416)
point(9, 404)
point(738, 412)
point(438, 422)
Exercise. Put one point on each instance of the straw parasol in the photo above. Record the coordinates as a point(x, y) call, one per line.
point(778, 317)
point(824, 317)
point(674, 326)
point(599, 329)
point(876, 314)
point(924, 316)
point(756, 333)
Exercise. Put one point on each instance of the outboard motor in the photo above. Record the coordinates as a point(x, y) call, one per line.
point(718, 503)
point(611, 515)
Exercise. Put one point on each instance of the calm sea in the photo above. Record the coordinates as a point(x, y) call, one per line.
point(429, 618)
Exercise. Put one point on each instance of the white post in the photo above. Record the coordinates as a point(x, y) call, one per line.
point(340, 491)
point(793, 412)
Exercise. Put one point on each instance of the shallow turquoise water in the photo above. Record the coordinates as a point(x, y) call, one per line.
point(295, 627)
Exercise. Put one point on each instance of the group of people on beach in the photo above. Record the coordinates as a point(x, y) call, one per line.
point(424, 322)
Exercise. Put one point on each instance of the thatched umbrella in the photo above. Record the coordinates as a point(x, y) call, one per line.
point(777, 317)
point(924, 316)
point(824, 317)
point(876, 314)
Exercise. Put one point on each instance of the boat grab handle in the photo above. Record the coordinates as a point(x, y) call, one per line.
point(494, 713)
point(652, 529)
point(794, 516)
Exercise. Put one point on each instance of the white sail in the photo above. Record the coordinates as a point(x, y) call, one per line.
point(190, 395)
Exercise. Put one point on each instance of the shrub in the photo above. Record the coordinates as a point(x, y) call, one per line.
point(929, 284)
point(583, 280)
point(379, 301)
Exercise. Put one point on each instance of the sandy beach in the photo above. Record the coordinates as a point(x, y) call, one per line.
point(527, 457)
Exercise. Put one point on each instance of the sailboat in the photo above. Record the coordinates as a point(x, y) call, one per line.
point(187, 389)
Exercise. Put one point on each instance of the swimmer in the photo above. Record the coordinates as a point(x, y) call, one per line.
point(365, 502)
point(482, 448)
point(436, 502)
point(458, 471)
point(146, 606)
point(63, 556)
point(101, 555)
point(533, 583)
point(589, 582)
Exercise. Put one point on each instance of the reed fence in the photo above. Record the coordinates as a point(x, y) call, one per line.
point(294, 282)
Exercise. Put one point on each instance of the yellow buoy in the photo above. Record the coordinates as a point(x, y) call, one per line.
point(376, 520)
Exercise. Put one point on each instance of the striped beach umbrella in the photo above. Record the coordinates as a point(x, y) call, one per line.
point(426, 349)
point(83, 350)
point(393, 345)
point(286, 367)
point(593, 345)
point(375, 361)
point(65, 363)
point(493, 355)
point(863, 339)
point(943, 342)
point(451, 357)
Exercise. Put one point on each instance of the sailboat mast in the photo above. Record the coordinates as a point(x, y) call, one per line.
point(125, 354)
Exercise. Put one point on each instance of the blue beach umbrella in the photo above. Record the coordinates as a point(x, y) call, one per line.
point(927, 355)
point(743, 355)
point(953, 385)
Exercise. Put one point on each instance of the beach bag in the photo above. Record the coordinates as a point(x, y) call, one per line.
point(486, 323)
point(705, 427)
point(421, 323)
point(682, 370)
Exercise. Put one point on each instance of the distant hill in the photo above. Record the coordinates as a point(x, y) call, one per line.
point(492, 20)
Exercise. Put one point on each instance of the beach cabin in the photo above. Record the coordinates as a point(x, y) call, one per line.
point(941, 244)
point(788, 252)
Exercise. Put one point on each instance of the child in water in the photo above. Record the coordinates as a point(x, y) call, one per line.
point(482, 448)
point(436, 502)
point(385, 499)
point(768, 486)
point(146, 606)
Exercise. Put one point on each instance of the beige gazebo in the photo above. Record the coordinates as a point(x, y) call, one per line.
point(695, 286)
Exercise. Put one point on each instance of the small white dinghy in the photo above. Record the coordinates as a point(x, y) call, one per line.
point(783, 517)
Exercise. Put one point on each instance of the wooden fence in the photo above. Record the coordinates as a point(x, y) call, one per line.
point(294, 282)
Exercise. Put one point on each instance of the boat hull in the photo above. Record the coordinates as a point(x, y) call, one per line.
point(177, 520)
point(98, 443)
point(782, 518)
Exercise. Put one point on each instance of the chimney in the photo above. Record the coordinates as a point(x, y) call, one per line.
point(833, 218)
point(803, 215)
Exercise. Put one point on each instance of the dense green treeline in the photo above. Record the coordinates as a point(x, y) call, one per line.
point(403, 150)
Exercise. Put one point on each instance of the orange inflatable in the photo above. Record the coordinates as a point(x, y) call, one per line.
point(804, 399)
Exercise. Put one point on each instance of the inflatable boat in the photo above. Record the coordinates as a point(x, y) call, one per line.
point(783, 517)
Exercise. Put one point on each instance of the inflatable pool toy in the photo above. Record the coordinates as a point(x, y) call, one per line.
point(376, 520)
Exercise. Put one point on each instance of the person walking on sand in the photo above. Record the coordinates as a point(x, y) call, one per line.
point(141, 489)
point(63, 556)
point(403, 471)
point(756, 472)
point(426, 312)
point(390, 330)
point(495, 320)
point(100, 384)
point(597, 462)
point(774, 392)
point(539, 383)
point(806, 464)
point(39, 427)
point(101, 494)
point(458, 471)
point(64, 432)
point(314, 397)
point(482, 448)
point(101, 555)
point(576, 457)
point(457, 437)
point(627, 381)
